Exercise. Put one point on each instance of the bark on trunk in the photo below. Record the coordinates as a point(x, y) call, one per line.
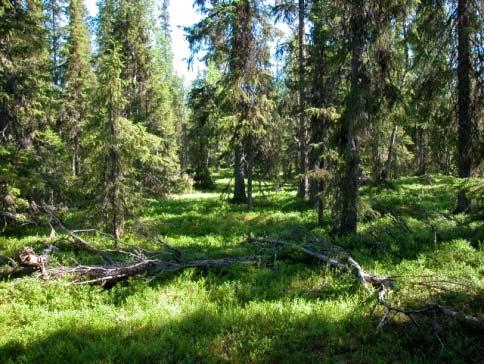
point(115, 176)
point(315, 157)
point(321, 202)
point(239, 184)
point(464, 68)
point(303, 130)
point(54, 14)
point(76, 159)
point(376, 168)
point(250, 171)
point(353, 118)
point(420, 152)
point(391, 148)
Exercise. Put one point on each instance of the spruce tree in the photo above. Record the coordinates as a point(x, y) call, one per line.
point(25, 103)
point(77, 83)
point(464, 91)
point(237, 33)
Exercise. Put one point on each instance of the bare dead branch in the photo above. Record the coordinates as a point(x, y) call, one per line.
point(113, 273)
point(382, 284)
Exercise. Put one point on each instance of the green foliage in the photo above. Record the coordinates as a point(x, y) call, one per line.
point(78, 82)
point(474, 190)
point(25, 99)
point(282, 312)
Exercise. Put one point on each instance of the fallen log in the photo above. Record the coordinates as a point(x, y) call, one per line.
point(154, 267)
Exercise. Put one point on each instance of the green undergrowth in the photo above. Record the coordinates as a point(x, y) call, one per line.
point(291, 309)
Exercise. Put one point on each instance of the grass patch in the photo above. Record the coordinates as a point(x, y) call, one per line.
point(284, 313)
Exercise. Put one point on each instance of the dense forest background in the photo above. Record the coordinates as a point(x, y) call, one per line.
point(316, 194)
point(93, 115)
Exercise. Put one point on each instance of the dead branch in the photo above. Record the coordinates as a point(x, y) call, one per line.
point(330, 261)
point(79, 240)
point(350, 266)
point(382, 284)
point(176, 253)
point(430, 309)
point(116, 272)
point(28, 258)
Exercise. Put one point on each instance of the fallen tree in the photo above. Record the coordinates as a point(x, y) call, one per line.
point(139, 262)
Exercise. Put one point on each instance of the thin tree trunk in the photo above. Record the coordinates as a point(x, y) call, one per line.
point(464, 157)
point(118, 216)
point(420, 151)
point(76, 160)
point(54, 13)
point(315, 156)
point(184, 147)
point(321, 202)
point(116, 201)
point(303, 130)
point(250, 171)
point(239, 184)
point(376, 158)
point(353, 118)
point(391, 148)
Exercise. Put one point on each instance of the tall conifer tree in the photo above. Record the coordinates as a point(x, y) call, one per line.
point(77, 83)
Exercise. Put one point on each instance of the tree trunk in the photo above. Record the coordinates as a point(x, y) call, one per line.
point(352, 123)
point(76, 159)
point(250, 170)
point(391, 148)
point(115, 176)
point(315, 160)
point(303, 131)
point(55, 38)
point(184, 147)
point(118, 216)
point(202, 168)
point(239, 184)
point(420, 151)
point(464, 68)
point(376, 166)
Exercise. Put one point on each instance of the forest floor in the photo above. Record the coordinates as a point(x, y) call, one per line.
point(293, 310)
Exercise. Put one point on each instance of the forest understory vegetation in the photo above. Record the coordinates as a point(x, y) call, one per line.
point(315, 193)
point(288, 308)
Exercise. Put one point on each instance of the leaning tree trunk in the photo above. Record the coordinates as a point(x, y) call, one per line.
point(303, 130)
point(239, 184)
point(352, 120)
point(464, 158)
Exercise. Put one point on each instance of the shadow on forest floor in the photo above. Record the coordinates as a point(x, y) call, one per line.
point(254, 333)
point(289, 309)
